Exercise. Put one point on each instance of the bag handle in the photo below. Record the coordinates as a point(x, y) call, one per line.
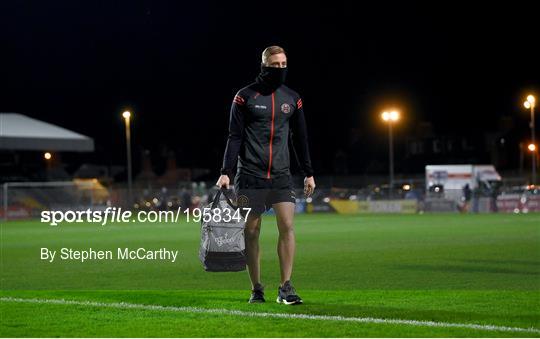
point(223, 191)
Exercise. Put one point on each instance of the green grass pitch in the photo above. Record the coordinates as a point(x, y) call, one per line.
point(435, 268)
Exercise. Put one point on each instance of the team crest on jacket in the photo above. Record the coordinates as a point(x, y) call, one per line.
point(286, 108)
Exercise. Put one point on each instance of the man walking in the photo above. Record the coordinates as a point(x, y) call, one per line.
point(264, 116)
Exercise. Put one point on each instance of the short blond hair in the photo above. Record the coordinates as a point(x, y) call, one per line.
point(269, 51)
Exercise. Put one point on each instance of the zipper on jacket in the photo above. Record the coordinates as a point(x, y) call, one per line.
point(271, 139)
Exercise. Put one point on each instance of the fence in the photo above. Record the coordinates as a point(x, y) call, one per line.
point(27, 200)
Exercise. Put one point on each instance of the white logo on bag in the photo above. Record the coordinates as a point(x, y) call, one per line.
point(220, 241)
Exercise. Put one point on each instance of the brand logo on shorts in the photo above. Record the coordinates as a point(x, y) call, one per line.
point(286, 108)
point(242, 201)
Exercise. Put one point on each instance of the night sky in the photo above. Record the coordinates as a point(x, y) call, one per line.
point(177, 66)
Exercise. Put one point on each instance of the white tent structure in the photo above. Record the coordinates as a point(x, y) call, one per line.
point(19, 132)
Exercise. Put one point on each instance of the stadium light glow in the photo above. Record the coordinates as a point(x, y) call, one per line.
point(531, 99)
point(126, 115)
point(532, 147)
point(390, 116)
point(47, 156)
point(527, 104)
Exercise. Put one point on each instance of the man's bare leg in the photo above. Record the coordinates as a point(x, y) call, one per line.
point(286, 243)
point(251, 233)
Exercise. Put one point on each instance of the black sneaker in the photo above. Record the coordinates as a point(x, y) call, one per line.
point(287, 295)
point(257, 294)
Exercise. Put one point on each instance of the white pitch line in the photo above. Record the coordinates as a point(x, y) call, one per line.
point(188, 309)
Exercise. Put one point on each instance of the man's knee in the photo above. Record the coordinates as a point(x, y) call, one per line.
point(253, 229)
point(286, 226)
point(252, 233)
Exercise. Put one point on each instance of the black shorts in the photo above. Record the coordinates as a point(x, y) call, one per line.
point(260, 194)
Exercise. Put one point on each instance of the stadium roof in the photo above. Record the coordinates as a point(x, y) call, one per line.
point(19, 132)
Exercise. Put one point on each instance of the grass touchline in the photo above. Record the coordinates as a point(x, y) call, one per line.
point(123, 305)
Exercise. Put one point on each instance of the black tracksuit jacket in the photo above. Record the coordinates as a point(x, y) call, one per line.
point(260, 127)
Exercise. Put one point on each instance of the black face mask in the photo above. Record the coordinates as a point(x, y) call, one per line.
point(272, 77)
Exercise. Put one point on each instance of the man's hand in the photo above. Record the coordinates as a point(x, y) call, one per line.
point(223, 181)
point(309, 186)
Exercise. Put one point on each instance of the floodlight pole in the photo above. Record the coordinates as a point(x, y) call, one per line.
point(391, 158)
point(129, 170)
point(534, 143)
